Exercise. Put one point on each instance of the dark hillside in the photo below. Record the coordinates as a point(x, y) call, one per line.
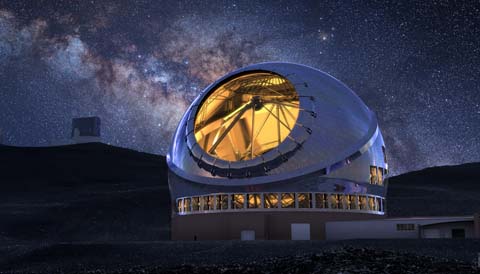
point(436, 191)
point(85, 192)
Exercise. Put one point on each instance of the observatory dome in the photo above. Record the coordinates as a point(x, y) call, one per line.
point(271, 122)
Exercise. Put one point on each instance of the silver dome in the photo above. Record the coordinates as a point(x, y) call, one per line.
point(334, 129)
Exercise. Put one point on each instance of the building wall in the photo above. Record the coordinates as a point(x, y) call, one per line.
point(444, 230)
point(387, 228)
point(267, 225)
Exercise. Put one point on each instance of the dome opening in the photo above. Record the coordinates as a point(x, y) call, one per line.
point(247, 116)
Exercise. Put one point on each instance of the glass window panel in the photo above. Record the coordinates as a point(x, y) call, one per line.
point(362, 202)
point(195, 203)
point(253, 200)
point(179, 205)
point(380, 176)
point(333, 201)
point(224, 202)
point(377, 204)
point(371, 203)
point(340, 200)
point(336, 201)
point(321, 200)
point(288, 200)
point(208, 202)
point(352, 202)
point(270, 200)
point(373, 175)
point(238, 201)
point(186, 205)
point(218, 202)
point(304, 200)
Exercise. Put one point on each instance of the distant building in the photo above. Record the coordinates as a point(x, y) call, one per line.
point(86, 130)
point(451, 227)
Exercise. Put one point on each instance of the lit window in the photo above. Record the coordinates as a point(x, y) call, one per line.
point(179, 205)
point(373, 203)
point(238, 200)
point(253, 200)
point(186, 205)
point(304, 200)
point(222, 202)
point(373, 175)
point(207, 202)
point(336, 201)
point(362, 202)
point(270, 200)
point(195, 204)
point(351, 202)
point(380, 176)
point(288, 200)
point(405, 227)
point(321, 200)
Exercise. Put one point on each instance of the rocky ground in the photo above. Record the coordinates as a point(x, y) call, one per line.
point(365, 256)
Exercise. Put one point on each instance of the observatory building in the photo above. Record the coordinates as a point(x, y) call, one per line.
point(274, 151)
point(86, 130)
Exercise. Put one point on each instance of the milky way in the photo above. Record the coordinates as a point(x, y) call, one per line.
point(137, 65)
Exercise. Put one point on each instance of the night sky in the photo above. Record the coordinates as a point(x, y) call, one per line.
point(416, 65)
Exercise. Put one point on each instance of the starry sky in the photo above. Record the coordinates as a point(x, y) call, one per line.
point(416, 64)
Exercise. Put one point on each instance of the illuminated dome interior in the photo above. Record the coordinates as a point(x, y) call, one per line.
point(247, 116)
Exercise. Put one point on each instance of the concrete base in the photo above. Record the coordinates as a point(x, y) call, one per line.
point(267, 225)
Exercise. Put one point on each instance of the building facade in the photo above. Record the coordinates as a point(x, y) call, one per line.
point(86, 130)
point(446, 227)
point(274, 151)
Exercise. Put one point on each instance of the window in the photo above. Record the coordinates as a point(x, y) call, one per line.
point(373, 203)
point(352, 202)
point(238, 201)
point(270, 200)
point(405, 227)
point(321, 200)
point(186, 205)
point(288, 200)
point(222, 202)
point(362, 202)
point(208, 202)
point(336, 201)
point(373, 175)
point(179, 205)
point(195, 204)
point(280, 200)
point(253, 200)
point(304, 200)
point(380, 176)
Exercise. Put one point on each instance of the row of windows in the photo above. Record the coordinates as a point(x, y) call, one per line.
point(376, 175)
point(405, 227)
point(238, 201)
